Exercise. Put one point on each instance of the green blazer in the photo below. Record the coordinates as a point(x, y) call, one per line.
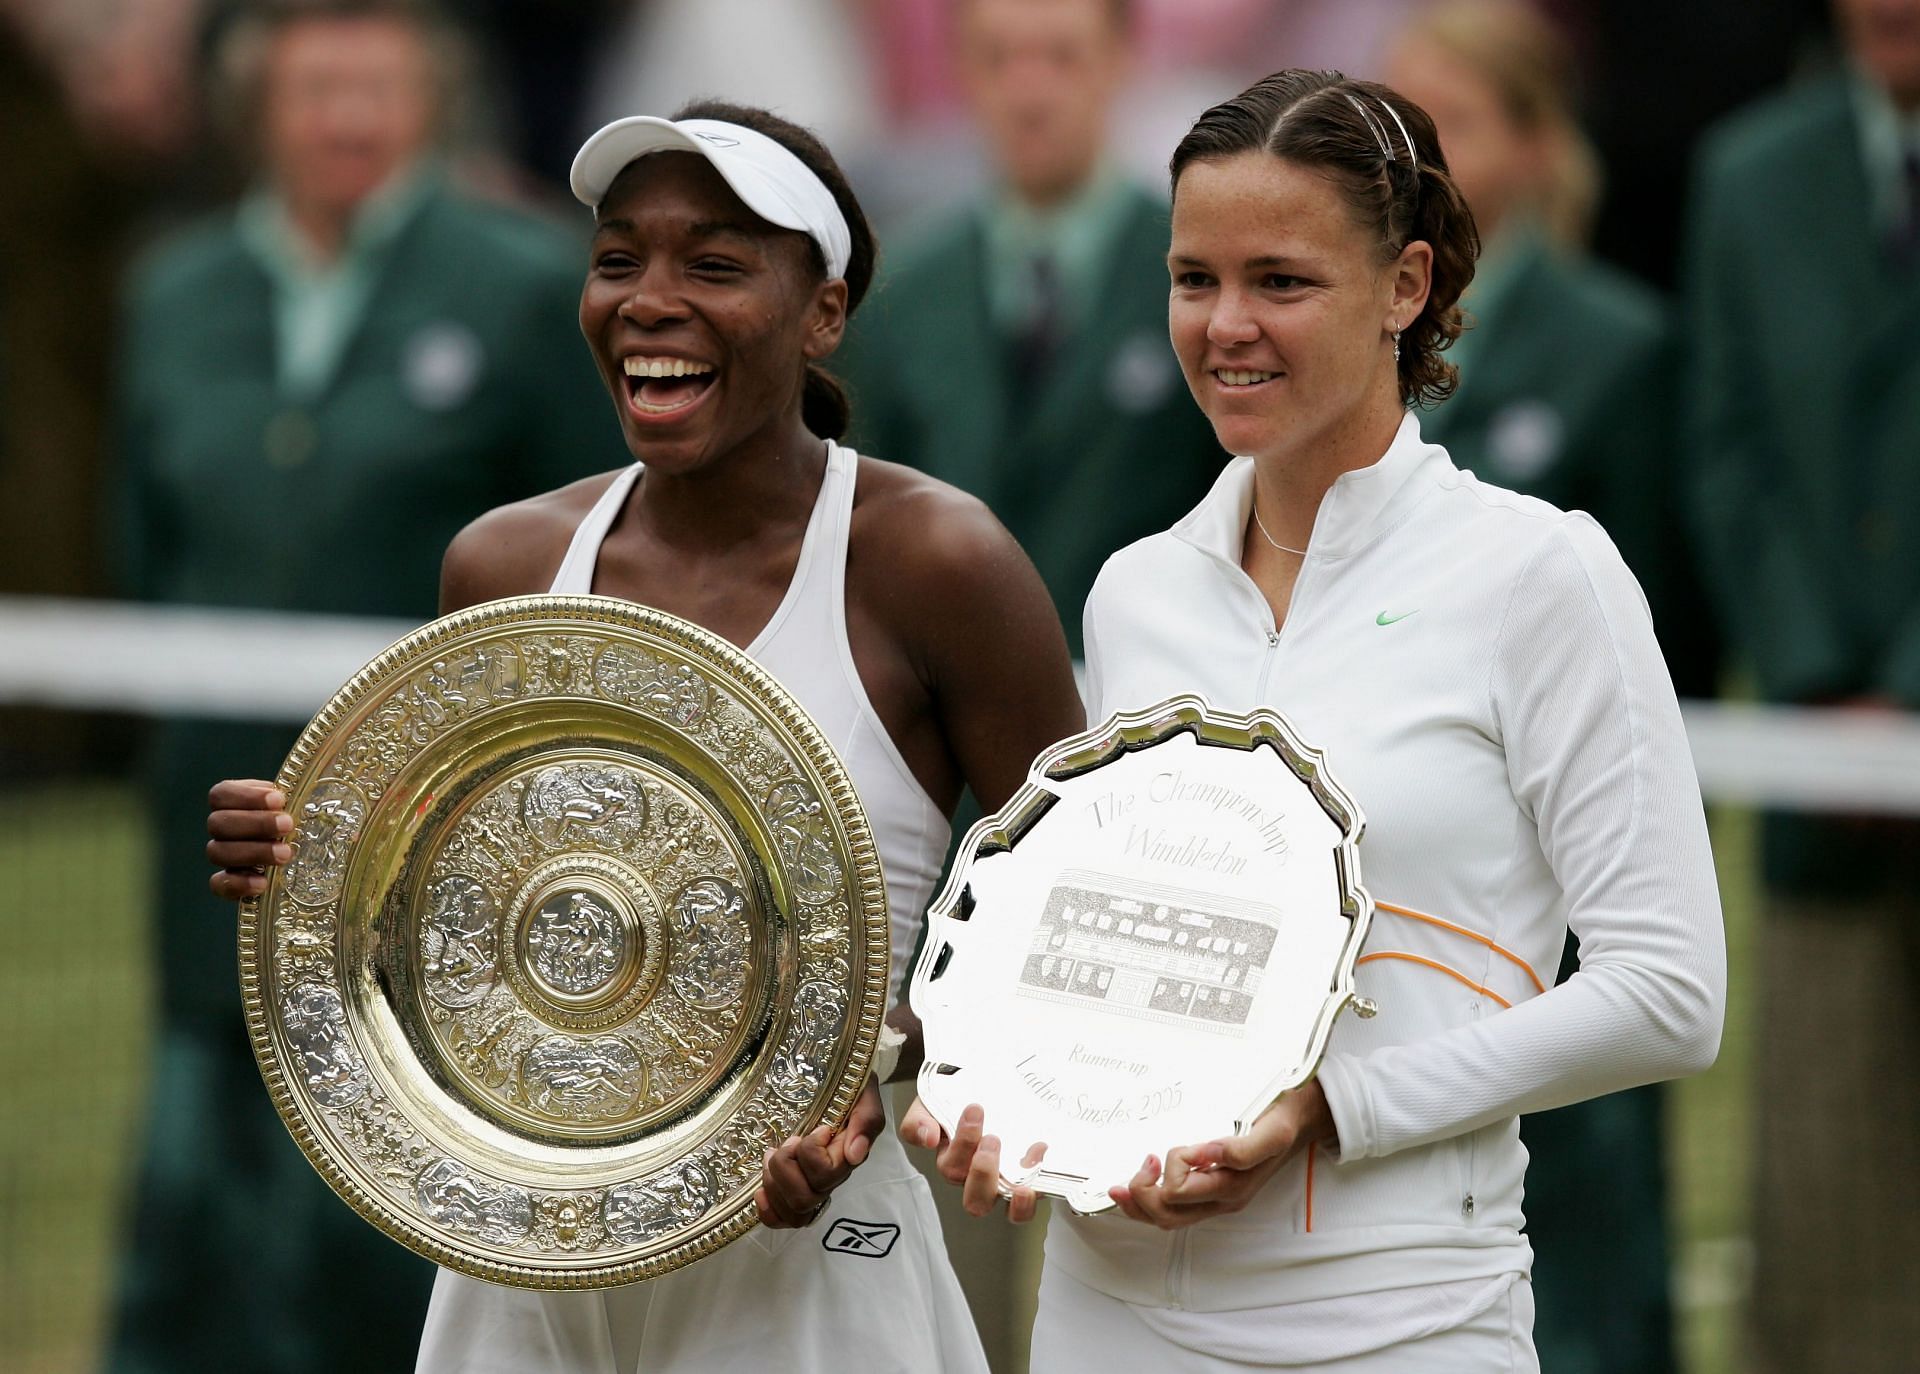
point(1109, 448)
point(1805, 434)
point(466, 385)
point(1569, 394)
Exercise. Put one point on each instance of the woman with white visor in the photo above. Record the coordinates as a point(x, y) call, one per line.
point(728, 253)
point(1481, 672)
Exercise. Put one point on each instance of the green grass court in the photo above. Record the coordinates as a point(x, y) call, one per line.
point(74, 1014)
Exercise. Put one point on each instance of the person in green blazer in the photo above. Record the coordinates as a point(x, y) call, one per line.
point(1567, 393)
point(1804, 290)
point(1019, 349)
point(316, 393)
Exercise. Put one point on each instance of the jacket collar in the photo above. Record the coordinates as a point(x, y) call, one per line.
point(1356, 507)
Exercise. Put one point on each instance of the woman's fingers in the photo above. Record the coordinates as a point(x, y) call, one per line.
point(245, 794)
point(248, 839)
point(1245, 1151)
point(243, 854)
point(249, 825)
point(1123, 1198)
point(1024, 1202)
point(1171, 1218)
point(787, 1177)
point(1180, 1163)
point(790, 1197)
point(918, 1127)
point(956, 1160)
point(864, 1123)
point(247, 828)
point(822, 1162)
point(233, 885)
point(856, 1149)
point(1143, 1183)
point(971, 1159)
point(777, 1215)
point(803, 1172)
point(980, 1190)
point(1149, 1203)
point(1209, 1186)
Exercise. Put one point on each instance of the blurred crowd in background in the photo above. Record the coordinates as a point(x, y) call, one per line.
point(287, 296)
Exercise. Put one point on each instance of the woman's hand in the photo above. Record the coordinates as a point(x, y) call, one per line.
point(248, 824)
point(1221, 1176)
point(799, 1176)
point(971, 1160)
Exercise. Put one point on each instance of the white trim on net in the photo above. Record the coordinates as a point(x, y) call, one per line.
point(179, 660)
point(281, 666)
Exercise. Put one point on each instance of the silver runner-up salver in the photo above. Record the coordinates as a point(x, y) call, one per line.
point(583, 916)
point(1143, 948)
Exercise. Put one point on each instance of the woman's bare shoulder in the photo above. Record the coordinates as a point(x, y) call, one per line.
point(928, 542)
point(921, 520)
point(516, 549)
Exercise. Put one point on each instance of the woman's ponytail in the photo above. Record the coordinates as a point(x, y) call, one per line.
point(824, 406)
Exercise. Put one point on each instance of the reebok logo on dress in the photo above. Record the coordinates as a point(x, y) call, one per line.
point(872, 1239)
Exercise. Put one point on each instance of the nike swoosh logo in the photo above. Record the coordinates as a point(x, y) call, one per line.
point(1384, 619)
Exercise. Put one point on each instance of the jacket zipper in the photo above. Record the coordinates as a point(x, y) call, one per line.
point(1266, 666)
point(1274, 633)
point(1177, 1263)
point(1469, 1154)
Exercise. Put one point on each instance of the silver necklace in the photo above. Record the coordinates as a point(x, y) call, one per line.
point(1262, 526)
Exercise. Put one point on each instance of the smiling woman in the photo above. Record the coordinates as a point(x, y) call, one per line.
point(727, 254)
point(1342, 303)
point(741, 166)
point(1480, 670)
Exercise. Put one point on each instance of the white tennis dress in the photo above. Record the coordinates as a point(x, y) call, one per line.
point(873, 1294)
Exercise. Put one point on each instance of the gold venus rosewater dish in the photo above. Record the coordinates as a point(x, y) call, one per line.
point(583, 916)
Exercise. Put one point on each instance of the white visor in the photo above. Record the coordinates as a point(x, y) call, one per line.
point(773, 183)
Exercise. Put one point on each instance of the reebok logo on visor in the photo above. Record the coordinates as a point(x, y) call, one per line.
point(872, 1239)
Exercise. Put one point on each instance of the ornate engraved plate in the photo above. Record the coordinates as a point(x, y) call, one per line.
point(583, 916)
point(1145, 947)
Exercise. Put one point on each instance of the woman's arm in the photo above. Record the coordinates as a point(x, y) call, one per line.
point(994, 660)
point(963, 655)
point(1597, 755)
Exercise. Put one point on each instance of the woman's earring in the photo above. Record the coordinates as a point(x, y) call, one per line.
point(1396, 345)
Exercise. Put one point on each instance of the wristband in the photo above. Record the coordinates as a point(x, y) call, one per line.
point(886, 1052)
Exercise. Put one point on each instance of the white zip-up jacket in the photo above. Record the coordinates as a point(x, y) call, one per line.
point(1481, 670)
